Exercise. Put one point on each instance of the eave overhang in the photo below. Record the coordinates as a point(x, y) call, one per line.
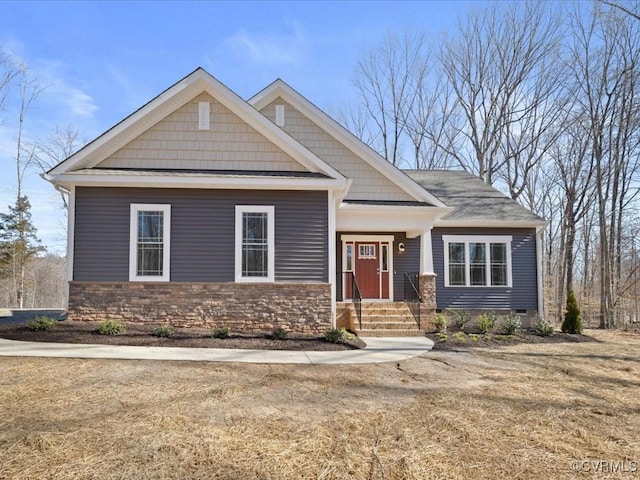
point(195, 180)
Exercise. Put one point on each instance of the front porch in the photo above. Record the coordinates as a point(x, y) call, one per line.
point(379, 291)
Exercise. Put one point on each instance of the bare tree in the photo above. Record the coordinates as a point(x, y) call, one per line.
point(60, 145)
point(383, 79)
point(606, 56)
point(634, 13)
point(8, 71)
point(500, 74)
point(18, 241)
point(430, 124)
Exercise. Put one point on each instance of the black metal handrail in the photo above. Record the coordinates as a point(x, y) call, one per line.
point(356, 297)
point(412, 295)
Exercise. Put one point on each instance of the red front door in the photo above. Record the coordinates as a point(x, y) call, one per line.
point(367, 268)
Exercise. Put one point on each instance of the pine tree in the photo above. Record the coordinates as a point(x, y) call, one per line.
point(572, 321)
point(18, 244)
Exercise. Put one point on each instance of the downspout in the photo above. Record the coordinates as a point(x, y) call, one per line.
point(540, 272)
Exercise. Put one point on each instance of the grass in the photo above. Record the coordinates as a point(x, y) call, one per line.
point(523, 411)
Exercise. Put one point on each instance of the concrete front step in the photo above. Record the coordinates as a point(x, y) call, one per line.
point(390, 333)
point(386, 319)
point(389, 325)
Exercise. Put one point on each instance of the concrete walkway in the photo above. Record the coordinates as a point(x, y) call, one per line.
point(378, 350)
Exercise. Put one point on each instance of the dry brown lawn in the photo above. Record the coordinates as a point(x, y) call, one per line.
point(523, 411)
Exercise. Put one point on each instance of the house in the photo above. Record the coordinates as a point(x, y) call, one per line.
point(201, 208)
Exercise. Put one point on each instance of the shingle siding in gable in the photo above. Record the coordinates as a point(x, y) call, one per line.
point(368, 183)
point(202, 232)
point(523, 294)
point(176, 142)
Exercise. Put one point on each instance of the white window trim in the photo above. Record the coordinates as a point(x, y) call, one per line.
point(133, 242)
point(270, 211)
point(487, 240)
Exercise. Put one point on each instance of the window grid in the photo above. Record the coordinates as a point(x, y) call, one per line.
point(255, 245)
point(477, 261)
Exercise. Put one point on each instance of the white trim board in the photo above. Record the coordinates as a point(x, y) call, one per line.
point(175, 96)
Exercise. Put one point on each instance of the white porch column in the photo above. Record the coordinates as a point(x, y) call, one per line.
point(332, 253)
point(426, 254)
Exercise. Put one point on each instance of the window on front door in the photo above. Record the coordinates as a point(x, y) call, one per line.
point(367, 251)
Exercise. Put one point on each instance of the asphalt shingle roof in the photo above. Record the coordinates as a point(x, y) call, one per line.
point(472, 199)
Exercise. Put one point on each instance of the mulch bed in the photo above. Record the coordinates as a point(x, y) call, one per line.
point(456, 341)
point(140, 334)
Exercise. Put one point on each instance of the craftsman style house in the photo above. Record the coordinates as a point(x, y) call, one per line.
point(201, 208)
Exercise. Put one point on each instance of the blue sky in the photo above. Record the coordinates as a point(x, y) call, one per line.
point(100, 61)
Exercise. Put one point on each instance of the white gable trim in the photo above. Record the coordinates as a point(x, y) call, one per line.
point(169, 180)
point(342, 135)
point(174, 97)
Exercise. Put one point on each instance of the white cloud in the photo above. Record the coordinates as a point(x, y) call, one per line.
point(268, 48)
point(59, 90)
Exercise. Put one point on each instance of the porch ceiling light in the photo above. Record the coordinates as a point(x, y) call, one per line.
point(401, 247)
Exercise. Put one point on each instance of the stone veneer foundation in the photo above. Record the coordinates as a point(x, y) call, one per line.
point(427, 287)
point(299, 307)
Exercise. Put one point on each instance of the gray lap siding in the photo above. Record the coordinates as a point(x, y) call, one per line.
point(523, 295)
point(202, 232)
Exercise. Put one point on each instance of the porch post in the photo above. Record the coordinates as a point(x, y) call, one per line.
point(331, 270)
point(427, 277)
point(426, 256)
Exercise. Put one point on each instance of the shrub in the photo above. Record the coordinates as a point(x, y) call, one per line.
point(41, 323)
point(460, 337)
point(441, 322)
point(542, 328)
point(280, 334)
point(220, 332)
point(486, 322)
point(163, 331)
point(572, 321)
point(512, 324)
point(460, 318)
point(111, 327)
point(442, 337)
point(333, 335)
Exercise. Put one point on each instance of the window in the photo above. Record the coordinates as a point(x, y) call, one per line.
point(385, 257)
point(149, 242)
point(457, 263)
point(349, 255)
point(366, 251)
point(255, 243)
point(477, 261)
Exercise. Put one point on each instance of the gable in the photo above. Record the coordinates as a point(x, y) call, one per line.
point(368, 183)
point(176, 142)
